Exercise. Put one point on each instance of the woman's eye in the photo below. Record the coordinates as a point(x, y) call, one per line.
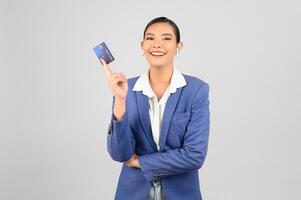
point(149, 38)
point(166, 38)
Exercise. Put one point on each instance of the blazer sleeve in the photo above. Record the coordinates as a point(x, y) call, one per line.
point(193, 152)
point(120, 139)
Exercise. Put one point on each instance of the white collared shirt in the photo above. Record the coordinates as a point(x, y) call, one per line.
point(156, 109)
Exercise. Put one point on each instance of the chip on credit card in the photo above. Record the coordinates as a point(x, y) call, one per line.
point(103, 52)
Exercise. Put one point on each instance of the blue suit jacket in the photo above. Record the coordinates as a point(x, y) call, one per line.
point(183, 143)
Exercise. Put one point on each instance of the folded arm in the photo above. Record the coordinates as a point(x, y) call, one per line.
point(193, 152)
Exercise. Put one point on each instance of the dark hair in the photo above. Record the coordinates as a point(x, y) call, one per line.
point(164, 20)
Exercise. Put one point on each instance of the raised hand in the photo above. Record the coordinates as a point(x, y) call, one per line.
point(117, 81)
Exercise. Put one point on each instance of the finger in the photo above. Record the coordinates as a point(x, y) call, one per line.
point(121, 75)
point(117, 80)
point(118, 75)
point(114, 76)
point(106, 68)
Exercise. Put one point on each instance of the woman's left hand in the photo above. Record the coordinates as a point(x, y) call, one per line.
point(133, 161)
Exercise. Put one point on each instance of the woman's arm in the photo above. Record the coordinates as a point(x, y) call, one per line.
point(192, 155)
point(120, 140)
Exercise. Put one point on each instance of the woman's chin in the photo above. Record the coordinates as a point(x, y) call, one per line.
point(157, 64)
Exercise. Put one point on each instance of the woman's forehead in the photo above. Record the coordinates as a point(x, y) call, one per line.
point(160, 29)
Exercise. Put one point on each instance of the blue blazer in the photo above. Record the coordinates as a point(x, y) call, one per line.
point(183, 143)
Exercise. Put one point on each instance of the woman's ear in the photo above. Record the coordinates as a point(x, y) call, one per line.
point(141, 45)
point(180, 46)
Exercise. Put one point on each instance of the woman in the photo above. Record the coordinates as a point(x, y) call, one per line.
point(160, 122)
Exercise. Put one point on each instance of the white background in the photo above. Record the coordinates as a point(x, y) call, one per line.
point(55, 103)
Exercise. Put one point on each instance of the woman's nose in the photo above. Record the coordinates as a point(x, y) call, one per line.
point(157, 44)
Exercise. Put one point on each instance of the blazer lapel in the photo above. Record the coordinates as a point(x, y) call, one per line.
point(168, 112)
point(143, 110)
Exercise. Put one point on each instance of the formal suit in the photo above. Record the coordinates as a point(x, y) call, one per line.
point(183, 143)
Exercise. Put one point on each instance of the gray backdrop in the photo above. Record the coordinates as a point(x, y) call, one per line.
point(55, 102)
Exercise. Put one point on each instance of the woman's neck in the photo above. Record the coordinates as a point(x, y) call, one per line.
point(160, 75)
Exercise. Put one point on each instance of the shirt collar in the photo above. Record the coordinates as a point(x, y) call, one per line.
point(143, 84)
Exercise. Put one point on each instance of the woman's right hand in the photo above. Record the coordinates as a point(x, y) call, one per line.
point(117, 82)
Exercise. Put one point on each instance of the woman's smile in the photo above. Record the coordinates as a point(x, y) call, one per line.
point(157, 53)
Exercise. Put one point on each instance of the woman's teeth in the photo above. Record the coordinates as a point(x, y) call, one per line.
point(157, 53)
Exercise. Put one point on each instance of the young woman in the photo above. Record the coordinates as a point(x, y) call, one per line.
point(160, 122)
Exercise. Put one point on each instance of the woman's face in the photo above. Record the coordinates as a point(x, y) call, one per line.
point(160, 44)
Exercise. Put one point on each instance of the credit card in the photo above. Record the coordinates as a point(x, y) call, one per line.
point(103, 52)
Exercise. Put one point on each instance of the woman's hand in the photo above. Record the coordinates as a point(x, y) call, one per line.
point(133, 161)
point(117, 82)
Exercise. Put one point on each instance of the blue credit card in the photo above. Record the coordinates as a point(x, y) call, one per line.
point(103, 52)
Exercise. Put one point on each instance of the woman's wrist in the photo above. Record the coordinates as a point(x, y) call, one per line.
point(119, 108)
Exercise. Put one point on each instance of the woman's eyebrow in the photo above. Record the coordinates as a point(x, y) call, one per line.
point(167, 34)
point(164, 34)
point(150, 34)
